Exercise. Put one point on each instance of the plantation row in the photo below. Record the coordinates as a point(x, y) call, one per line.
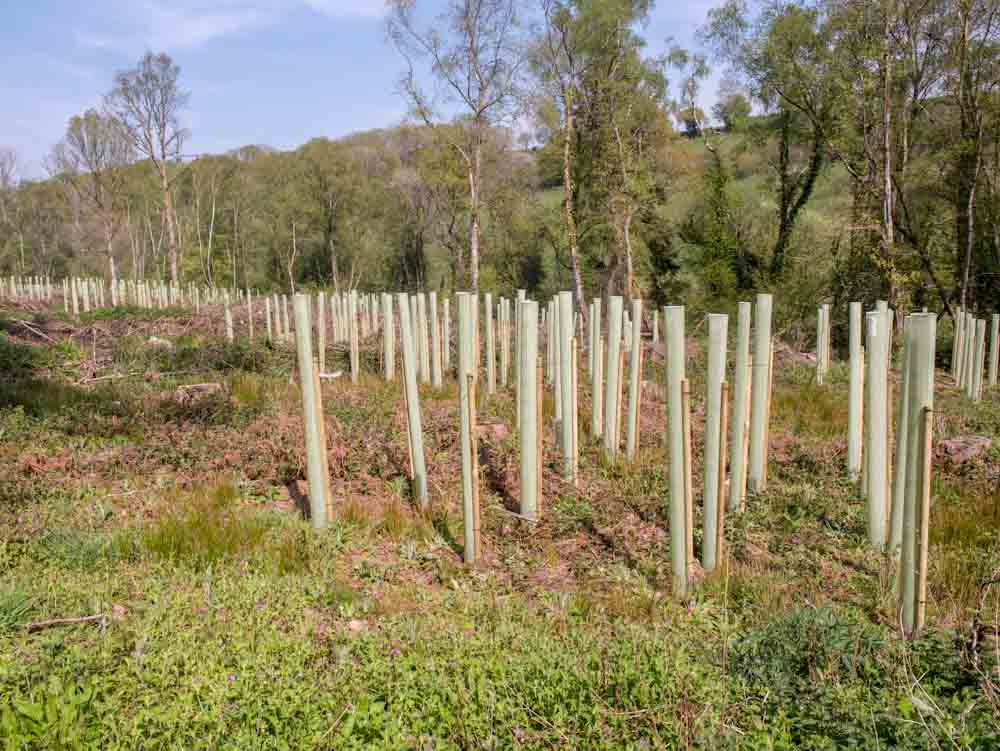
point(889, 457)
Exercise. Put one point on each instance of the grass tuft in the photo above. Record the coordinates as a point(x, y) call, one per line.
point(205, 527)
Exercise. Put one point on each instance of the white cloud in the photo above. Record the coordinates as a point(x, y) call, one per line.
point(171, 25)
point(348, 8)
point(185, 24)
point(93, 41)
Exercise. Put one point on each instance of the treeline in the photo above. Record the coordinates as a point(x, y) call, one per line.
point(854, 154)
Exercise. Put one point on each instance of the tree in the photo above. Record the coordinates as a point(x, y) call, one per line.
point(974, 39)
point(732, 107)
point(693, 70)
point(8, 200)
point(617, 121)
point(147, 100)
point(786, 58)
point(576, 37)
point(91, 161)
point(475, 55)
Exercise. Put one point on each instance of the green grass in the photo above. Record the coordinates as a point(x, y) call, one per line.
point(205, 527)
point(233, 624)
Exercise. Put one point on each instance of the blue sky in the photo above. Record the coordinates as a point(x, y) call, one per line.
point(275, 72)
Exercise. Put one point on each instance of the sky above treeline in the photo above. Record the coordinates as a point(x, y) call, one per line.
point(271, 72)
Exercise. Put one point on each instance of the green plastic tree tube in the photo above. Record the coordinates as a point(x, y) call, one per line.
point(491, 364)
point(597, 376)
point(741, 409)
point(994, 348)
point(466, 332)
point(321, 330)
point(612, 388)
point(673, 332)
point(423, 338)
point(718, 326)
point(634, 380)
point(412, 399)
point(902, 436)
point(388, 339)
point(435, 325)
point(318, 483)
point(920, 397)
point(979, 361)
point(759, 395)
point(565, 386)
point(854, 396)
point(527, 360)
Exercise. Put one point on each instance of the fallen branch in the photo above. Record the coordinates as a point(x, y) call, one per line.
point(33, 330)
point(514, 513)
point(42, 625)
point(111, 377)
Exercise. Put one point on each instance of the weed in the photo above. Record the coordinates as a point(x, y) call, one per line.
point(73, 549)
point(205, 527)
point(15, 607)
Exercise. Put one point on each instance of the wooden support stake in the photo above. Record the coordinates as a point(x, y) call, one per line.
point(540, 432)
point(723, 449)
point(474, 448)
point(618, 399)
point(923, 529)
point(767, 415)
point(575, 415)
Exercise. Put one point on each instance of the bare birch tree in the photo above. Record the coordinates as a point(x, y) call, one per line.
point(475, 55)
point(90, 161)
point(147, 100)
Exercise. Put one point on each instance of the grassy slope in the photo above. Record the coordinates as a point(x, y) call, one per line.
point(232, 624)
